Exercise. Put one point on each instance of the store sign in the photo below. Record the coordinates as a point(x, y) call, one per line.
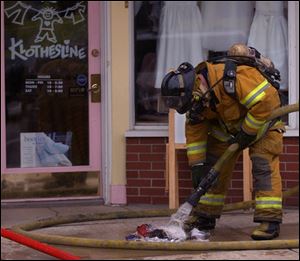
point(42, 31)
point(45, 19)
point(46, 75)
point(54, 51)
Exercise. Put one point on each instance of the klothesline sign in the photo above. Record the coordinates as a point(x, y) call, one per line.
point(42, 37)
point(42, 20)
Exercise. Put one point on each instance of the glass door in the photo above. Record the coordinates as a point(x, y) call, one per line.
point(50, 94)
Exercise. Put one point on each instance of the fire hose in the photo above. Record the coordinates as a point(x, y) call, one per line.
point(52, 251)
point(179, 246)
point(139, 245)
point(233, 149)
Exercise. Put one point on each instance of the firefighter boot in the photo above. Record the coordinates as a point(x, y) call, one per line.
point(266, 231)
point(201, 223)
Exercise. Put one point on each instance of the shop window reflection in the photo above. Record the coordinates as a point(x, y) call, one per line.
point(219, 28)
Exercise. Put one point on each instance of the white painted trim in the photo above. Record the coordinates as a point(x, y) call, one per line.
point(293, 17)
point(146, 133)
point(131, 64)
point(291, 133)
point(106, 105)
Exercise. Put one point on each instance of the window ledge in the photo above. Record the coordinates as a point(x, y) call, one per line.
point(291, 133)
point(164, 133)
point(146, 133)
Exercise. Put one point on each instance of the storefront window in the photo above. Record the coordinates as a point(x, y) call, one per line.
point(167, 33)
point(46, 82)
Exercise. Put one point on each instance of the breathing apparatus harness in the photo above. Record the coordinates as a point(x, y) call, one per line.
point(229, 79)
point(194, 115)
point(231, 63)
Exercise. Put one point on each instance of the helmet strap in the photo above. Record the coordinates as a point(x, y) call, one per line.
point(202, 94)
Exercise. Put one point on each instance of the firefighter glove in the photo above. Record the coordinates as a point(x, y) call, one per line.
point(243, 139)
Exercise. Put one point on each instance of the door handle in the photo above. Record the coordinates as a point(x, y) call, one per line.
point(95, 88)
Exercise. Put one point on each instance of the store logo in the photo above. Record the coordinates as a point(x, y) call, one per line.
point(47, 18)
point(53, 51)
point(81, 80)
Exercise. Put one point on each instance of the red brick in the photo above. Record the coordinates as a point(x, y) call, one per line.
point(158, 183)
point(185, 175)
point(185, 192)
point(292, 149)
point(152, 140)
point(183, 165)
point(159, 165)
point(138, 183)
point(238, 166)
point(290, 175)
point(235, 192)
point(138, 165)
point(132, 157)
point(152, 191)
point(138, 148)
point(132, 174)
point(292, 184)
point(291, 201)
point(152, 157)
point(282, 166)
point(289, 158)
point(138, 200)
point(149, 148)
point(132, 191)
point(185, 184)
point(159, 148)
point(292, 166)
point(291, 140)
point(160, 200)
point(233, 199)
point(152, 174)
point(237, 175)
point(181, 157)
point(240, 158)
point(236, 183)
point(132, 140)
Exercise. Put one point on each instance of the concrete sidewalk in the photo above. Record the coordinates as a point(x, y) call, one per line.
point(232, 226)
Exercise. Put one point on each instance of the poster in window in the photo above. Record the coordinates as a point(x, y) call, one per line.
point(39, 150)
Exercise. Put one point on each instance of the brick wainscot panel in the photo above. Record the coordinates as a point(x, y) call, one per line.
point(145, 170)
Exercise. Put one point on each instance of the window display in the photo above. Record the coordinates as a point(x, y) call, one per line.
point(179, 38)
point(192, 31)
point(225, 23)
point(269, 34)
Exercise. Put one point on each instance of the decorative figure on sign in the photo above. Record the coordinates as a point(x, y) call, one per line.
point(47, 16)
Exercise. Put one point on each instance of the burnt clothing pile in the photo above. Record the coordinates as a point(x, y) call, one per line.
point(150, 233)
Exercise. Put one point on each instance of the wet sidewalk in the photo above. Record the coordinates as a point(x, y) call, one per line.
point(232, 226)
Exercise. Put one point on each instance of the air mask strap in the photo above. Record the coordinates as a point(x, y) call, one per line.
point(181, 82)
point(202, 92)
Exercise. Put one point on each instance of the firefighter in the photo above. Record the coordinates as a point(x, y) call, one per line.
point(227, 101)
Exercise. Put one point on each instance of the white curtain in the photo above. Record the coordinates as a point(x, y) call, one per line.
point(226, 23)
point(269, 35)
point(179, 37)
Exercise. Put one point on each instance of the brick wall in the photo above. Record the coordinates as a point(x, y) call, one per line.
point(145, 170)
